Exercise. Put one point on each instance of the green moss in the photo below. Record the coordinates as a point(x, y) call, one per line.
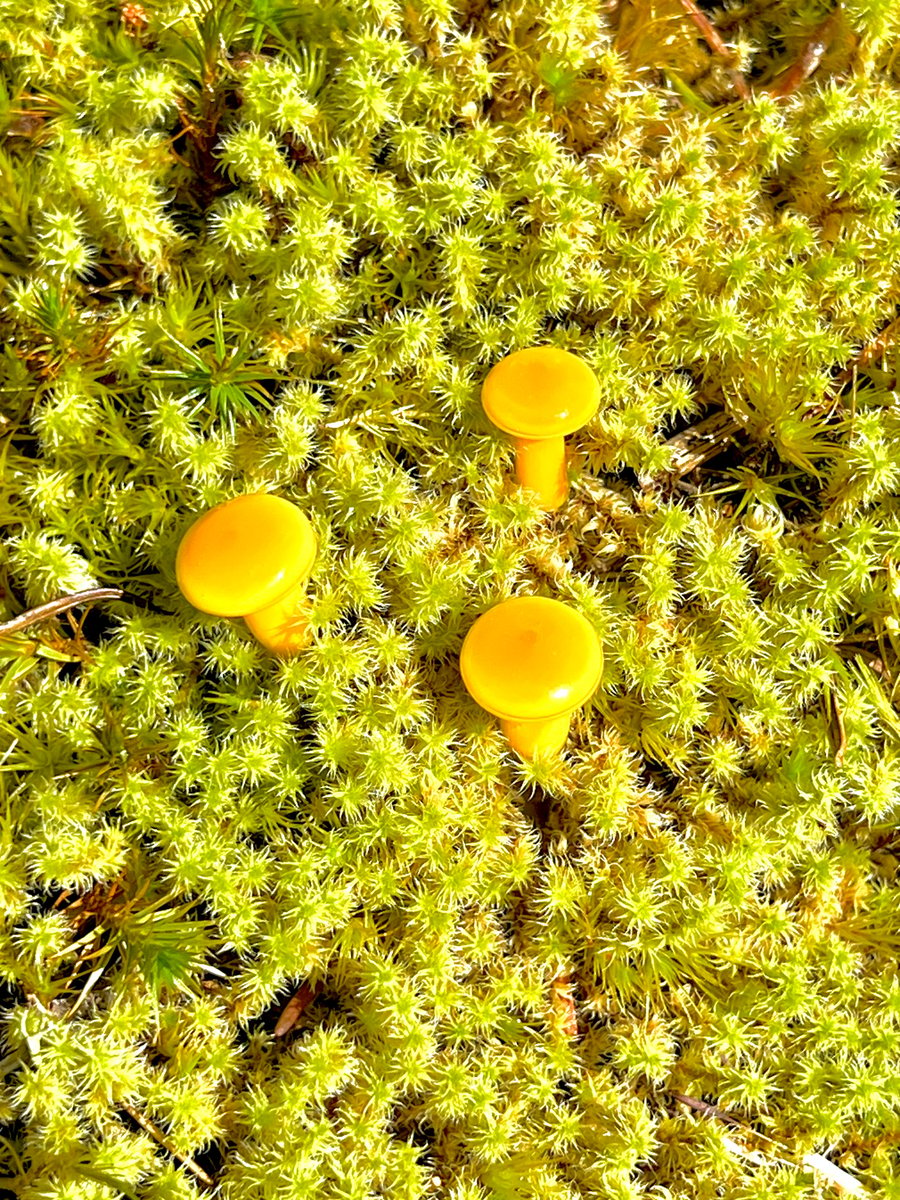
point(260, 247)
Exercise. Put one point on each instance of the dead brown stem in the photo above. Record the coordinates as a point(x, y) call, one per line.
point(834, 720)
point(713, 39)
point(52, 608)
point(868, 353)
point(811, 53)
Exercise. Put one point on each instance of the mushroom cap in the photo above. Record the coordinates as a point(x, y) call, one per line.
point(540, 392)
point(243, 555)
point(531, 658)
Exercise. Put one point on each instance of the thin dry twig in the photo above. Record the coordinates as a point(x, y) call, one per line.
point(816, 1163)
point(713, 39)
point(52, 608)
point(156, 1133)
point(708, 1110)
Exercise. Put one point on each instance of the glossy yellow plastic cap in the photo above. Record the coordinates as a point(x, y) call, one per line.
point(244, 555)
point(540, 392)
point(531, 658)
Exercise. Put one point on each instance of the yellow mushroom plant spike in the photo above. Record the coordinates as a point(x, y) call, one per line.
point(532, 661)
point(538, 395)
point(251, 557)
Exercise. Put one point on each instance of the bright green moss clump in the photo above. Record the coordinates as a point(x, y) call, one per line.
point(251, 247)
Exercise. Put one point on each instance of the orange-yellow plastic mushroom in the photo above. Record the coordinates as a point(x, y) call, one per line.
point(251, 557)
point(539, 395)
point(532, 661)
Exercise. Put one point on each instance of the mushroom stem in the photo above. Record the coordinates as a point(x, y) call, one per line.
point(541, 467)
point(283, 627)
point(547, 736)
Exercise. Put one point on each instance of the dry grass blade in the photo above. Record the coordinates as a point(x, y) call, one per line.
point(53, 607)
point(823, 1167)
point(708, 1110)
point(861, 670)
point(835, 1175)
point(866, 357)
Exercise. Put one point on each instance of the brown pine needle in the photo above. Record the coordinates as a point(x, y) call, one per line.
point(294, 1009)
point(563, 1003)
point(52, 608)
